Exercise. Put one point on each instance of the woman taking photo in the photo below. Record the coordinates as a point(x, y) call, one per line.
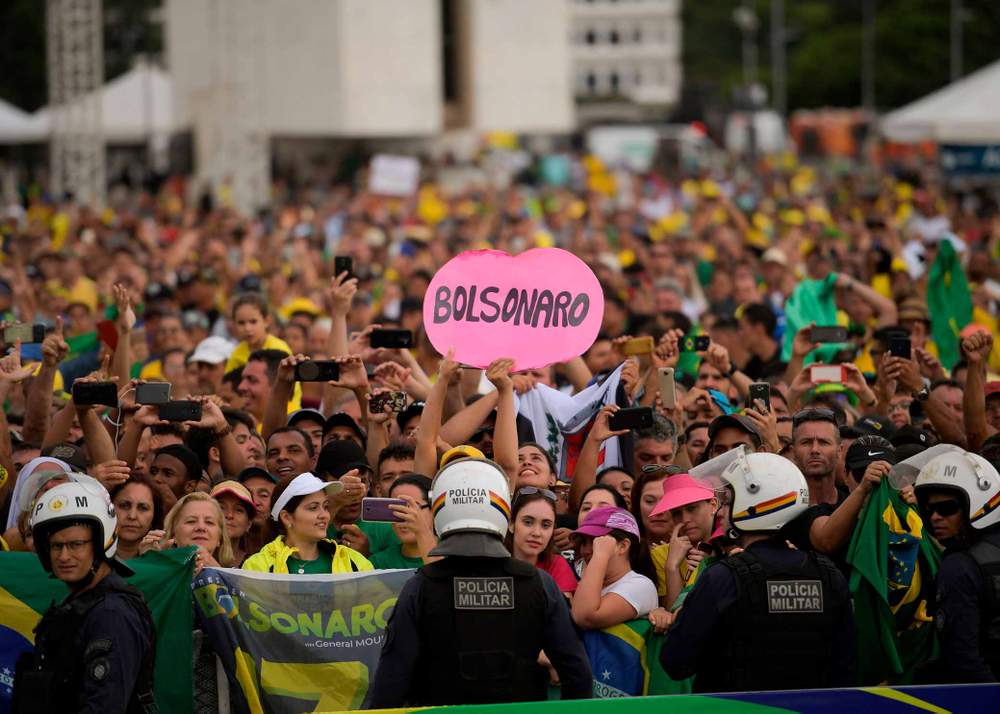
point(692, 507)
point(139, 509)
point(610, 591)
point(415, 529)
point(300, 516)
point(532, 525)
point(238, 511)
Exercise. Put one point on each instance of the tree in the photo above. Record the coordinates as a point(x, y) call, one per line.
point(824, 52)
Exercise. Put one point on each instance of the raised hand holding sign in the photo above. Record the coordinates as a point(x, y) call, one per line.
point(539, 307)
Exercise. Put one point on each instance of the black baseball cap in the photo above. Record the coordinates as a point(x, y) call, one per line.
point(868, 449)
point(909, 434)
point(338, 457)
point(739, 421)
point(70, 453)
point(344, 419)
point(254, 472)
point(413, 410)
point(869, 425)
point(300, 415)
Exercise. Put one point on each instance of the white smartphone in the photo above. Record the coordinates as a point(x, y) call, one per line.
point(668, 394)
point(824, 374)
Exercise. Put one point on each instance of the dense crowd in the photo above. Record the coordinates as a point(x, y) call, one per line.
point(295, 341)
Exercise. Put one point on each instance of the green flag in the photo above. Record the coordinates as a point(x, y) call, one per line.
point(80, 345)
point(949, 302)
point(894, 563)
point(26, 591)
point(811, 301)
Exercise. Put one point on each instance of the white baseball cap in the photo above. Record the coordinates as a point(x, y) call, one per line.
point(303, 485)
point(213, 350)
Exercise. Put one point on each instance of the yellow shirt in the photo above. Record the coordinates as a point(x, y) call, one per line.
point(84, 291)
point(241, 354)
point(58, 385)
point(152, 371)
point(981, 317)
point(273, 558)
point(658, 554)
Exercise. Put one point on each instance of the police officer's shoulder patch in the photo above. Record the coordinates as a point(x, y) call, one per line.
point(99, 669)
point(794, 596)
point(484, 593)
point(97, 648)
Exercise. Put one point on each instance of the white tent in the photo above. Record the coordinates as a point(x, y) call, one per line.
point(134, 107)
point(964, 112)
point(19, 127)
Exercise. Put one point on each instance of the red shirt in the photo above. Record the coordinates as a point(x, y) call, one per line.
point(556, 566)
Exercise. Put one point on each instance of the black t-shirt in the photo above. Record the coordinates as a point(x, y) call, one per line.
point(759, 369)
point(797, 531)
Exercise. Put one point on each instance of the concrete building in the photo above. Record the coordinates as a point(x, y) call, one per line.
point(626, 58)
point(376, 68)
point(248, 72)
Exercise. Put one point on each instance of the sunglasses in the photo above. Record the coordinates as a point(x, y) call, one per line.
point(813, 414)
point(941, 508)
point(533, 490)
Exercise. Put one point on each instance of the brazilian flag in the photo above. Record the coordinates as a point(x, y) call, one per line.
point(82, 358)
point(26, 591)
point(894, 564)
point(949, 302)
point(625, 660)
point(811, 301)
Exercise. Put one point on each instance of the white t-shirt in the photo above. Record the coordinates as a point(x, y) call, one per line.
point(637, 590)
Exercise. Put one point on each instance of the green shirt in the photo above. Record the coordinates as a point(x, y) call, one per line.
point(323, 565)
point(392, 557)
point(380, 535)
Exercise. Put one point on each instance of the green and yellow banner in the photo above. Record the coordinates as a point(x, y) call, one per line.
point(297, 643)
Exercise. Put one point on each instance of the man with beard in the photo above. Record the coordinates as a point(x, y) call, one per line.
point(828, 523)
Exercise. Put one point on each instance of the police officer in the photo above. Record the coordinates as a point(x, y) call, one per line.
point(959, 497)
point(94, 651)
point(769, 617)
point(469, 628)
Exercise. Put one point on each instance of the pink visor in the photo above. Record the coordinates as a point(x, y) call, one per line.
point(602, 521)
point(681, 490)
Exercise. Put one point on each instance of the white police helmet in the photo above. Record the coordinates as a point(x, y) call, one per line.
point(82, 502)
point(768, 492)
point(970, 474)
point(471, 497)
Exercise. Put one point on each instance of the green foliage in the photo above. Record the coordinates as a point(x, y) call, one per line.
point(912, 48)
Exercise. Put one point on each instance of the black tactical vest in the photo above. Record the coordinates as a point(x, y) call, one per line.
point(481, 626)
point(779, 633)
point(986, 554)
point(51, 678)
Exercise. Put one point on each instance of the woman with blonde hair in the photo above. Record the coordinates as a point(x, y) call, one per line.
point(196, 519)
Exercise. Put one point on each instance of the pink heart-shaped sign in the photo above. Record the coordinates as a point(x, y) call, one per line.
point(540, 307)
